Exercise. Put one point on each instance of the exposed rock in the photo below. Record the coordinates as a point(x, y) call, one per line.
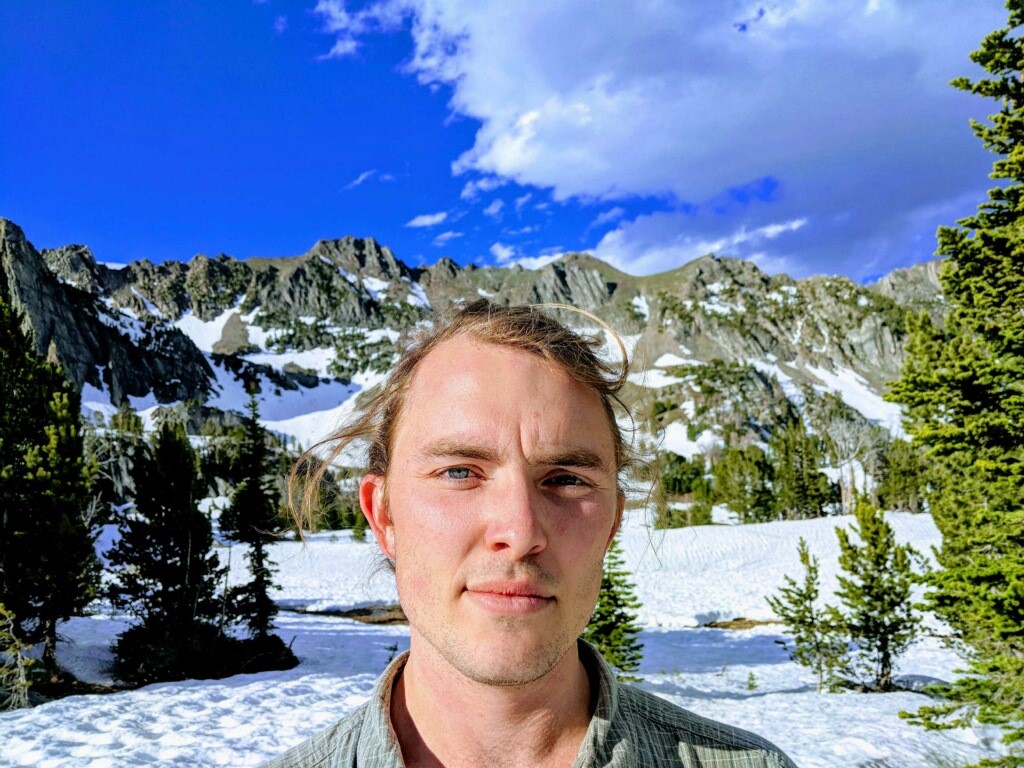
point(91, 344)
point(115, 328)
point(73, 264)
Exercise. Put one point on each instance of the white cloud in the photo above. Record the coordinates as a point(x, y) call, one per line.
point(362, 177)
point(521, 201)
point(536, 262)
point(348, 27)
point(522, 231)
point(495, 207)
point(446, 237)
point(659, 242)
point(476, 186)
point(607, 217)
point(427, 219)
point(502, 253)
point(845, 102)
point(508, 256)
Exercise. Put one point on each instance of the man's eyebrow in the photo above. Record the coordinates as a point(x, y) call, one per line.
point(449, 449)
point(580, 458)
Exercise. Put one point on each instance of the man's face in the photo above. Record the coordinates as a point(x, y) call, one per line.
point(501, 500)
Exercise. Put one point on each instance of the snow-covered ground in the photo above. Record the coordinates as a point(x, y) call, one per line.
point(684, 578)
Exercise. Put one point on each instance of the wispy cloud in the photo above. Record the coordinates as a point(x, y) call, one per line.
point(521, 201)
point(508, 255)
point(446, 237)
point(427, 219)
point(476, 186)
point(348, 27)
point(607, 217)
point(494, 208)
point(362, 177)
point(651, 243)
point(280, 25)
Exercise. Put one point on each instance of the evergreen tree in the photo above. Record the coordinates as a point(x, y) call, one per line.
point(875, 589)
point(48, 569)
point(254, 519)
point(903, 478)
point(112, 449)
point(743, 483)
point(166, 576)
point(614, 627)
point(14, 665)
point(819, 632)
point(801, 489)
point(683, 480)
point(965, 403)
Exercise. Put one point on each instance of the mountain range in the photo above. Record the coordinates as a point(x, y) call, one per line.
point(716, 341)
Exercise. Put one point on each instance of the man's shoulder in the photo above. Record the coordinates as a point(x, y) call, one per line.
point(332, 747)
point(690, 736)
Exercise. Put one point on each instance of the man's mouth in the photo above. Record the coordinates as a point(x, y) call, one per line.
point(509, 597)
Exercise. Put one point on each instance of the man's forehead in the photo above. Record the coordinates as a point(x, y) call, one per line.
point(466, 390)
point(468, 364)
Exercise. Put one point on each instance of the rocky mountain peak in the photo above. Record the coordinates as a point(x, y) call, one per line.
point(713, 274)
point(73, 264)
point(917, 287)
point(361, 256)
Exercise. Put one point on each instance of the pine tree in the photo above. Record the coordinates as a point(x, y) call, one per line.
point(48, 569)
point(819, 632)
point(14, 665)
point(614, 627)
point(875, 590)
point(56, 474)
point(801, 489)
point(112, 449)
point(965, 403)
point(743, 483)
point(903, 480)
point(254, 519)
point(166, 575)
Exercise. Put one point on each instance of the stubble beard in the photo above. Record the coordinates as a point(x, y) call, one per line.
point(481, 664)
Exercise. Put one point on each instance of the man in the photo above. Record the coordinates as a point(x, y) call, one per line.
point(493, 489)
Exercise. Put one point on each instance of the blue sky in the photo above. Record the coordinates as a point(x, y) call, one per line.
point(809, 135)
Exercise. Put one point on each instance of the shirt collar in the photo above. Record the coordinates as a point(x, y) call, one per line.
point(378, 743)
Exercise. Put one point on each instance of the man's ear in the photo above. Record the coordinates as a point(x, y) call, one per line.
point(373, 502)
point(620, 508)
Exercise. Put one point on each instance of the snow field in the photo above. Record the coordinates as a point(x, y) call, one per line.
point(683, 577)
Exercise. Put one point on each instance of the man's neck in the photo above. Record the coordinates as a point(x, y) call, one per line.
point(442, 718)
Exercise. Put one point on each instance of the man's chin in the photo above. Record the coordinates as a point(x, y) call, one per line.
point(506, 661)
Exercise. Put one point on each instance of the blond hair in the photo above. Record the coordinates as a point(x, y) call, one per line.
point(523, 327)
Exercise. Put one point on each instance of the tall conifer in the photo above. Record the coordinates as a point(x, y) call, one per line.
point(875, 586)
point(165, 573)
point(801, 489)
point(48, 569)
point(254, 519)
point(614, 627)
point(819, 632)
point(962, 385)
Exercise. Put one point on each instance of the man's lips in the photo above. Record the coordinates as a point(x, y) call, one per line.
point(509, 597)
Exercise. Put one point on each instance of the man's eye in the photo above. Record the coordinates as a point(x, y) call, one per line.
point(457, 473)
point(567, 480)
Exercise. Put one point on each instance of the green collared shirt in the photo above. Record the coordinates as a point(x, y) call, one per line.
point(630, 729)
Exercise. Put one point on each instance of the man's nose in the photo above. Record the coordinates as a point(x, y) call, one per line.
point(514, 525)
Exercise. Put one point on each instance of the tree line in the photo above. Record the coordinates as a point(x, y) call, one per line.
point(61, 483)
point(785, 478)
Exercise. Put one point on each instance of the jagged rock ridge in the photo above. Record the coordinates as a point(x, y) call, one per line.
point(178, 330)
